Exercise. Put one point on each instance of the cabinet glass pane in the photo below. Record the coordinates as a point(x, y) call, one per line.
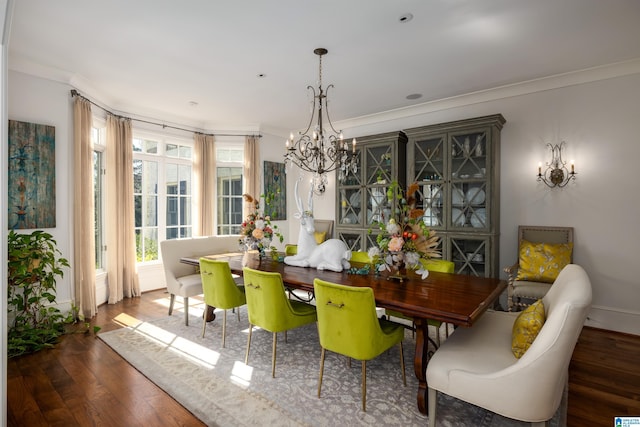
point(378, 206)
point(469, 204)
point(430, 200)
point(379, 164)
point(352, 240)
point(469, 255)
point(468, 155)
point(350, 212)
point(353, 175)
point(429, 155)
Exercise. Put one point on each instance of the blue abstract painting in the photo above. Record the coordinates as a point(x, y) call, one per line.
point(32, 176)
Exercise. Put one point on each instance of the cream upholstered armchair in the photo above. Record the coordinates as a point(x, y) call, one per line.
point(478, 364)
point(542, 253)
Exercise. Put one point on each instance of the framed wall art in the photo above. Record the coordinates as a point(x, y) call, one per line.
point(32, 176)
point(275, 190)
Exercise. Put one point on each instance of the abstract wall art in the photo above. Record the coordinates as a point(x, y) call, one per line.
point(32, 176)
point(275, 189)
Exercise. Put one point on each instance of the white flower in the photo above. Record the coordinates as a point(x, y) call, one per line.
point(392, 227)
point(260, 224)
point(373, 252)
point(423, 272)
point(412, 259)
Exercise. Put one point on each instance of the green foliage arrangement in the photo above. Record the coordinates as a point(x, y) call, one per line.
point(35, 263)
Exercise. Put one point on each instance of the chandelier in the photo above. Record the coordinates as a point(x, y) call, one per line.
point(556, 174)
point(321, 150)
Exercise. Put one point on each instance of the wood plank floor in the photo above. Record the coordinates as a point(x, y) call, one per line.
point(82, 382)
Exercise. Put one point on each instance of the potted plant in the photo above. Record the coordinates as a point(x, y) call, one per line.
point(34, 265)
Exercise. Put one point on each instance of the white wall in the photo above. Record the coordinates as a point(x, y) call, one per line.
point(36, 100)
point(599, 120)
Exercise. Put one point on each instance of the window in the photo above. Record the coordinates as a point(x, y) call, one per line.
point(98, 139)
point(229, 161)
point(162, 184)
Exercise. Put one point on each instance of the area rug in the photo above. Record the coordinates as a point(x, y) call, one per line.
point(217, 387)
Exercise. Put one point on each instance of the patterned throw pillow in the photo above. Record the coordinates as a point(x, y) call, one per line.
point(319, 236)
point(542, 262)
point(526, 328)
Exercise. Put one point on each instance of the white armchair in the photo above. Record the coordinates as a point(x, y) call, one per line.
point(477, 365)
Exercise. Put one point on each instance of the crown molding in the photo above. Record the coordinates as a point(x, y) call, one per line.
point(557, 81)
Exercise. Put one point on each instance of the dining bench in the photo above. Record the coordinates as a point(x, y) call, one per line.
point(184, 279)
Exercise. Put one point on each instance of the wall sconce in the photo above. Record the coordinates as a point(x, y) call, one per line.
point(556, 174)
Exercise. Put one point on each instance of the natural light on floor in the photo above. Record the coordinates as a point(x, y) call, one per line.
point(194, 352)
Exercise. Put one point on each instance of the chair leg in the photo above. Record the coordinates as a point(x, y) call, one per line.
point(204, 324)
point(432, 397)
point(273, 355)
point(321, 370)
point(246, 356)
point(224, 327)
point(364, 386)
point(238, 314)
point(540, 424)
point(171, 301)
point(404, 375)
point(186, 311)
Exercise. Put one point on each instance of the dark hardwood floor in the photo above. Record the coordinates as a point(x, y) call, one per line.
point(82, 382)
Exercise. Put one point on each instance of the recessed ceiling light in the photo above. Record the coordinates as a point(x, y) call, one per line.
point(414, 96)
point(261, 75)
point(406, 18)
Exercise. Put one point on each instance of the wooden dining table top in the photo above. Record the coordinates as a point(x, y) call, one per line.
point(452, 298)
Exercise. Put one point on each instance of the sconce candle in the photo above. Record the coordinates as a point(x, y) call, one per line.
point(556, 174)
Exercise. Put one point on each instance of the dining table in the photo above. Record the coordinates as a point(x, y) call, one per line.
point(457, 299)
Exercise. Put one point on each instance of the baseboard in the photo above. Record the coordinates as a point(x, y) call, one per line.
point(614, 319)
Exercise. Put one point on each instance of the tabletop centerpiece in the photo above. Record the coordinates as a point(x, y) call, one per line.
point(257, 232)
point(404, 240)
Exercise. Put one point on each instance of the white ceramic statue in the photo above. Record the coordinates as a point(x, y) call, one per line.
point(332, 254)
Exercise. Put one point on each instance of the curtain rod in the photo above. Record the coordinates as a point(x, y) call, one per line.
point(75, 93)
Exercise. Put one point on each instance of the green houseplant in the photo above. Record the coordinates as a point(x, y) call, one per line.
point(34, 265)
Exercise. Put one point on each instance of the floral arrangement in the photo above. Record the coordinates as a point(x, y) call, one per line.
point(405, 239)
point(257, 232)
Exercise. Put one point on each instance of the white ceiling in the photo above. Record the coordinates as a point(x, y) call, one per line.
point(152, 58)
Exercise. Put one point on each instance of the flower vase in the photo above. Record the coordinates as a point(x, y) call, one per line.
point(397, 266)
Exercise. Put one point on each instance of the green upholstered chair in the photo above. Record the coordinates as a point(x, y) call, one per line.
point(360, 256)
point(290, 249)
point(220, 290)
point(348, 325)
point(270, 309)
point(439, 265)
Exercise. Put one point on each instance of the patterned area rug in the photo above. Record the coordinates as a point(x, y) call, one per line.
point(218, 388)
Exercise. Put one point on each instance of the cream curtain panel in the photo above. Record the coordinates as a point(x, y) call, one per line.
point(204, 168)
point(122, 276)
point(251, 171)
point(84, 262)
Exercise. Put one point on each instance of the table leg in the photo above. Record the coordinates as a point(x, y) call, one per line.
point(420, 362)
point(210, 315)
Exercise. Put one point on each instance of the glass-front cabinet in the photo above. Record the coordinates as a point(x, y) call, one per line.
point(362, 195)
point(457, 167)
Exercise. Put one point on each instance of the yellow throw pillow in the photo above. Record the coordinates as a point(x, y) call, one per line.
point(526, 328)
point(319, 236)
point(542, 262)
